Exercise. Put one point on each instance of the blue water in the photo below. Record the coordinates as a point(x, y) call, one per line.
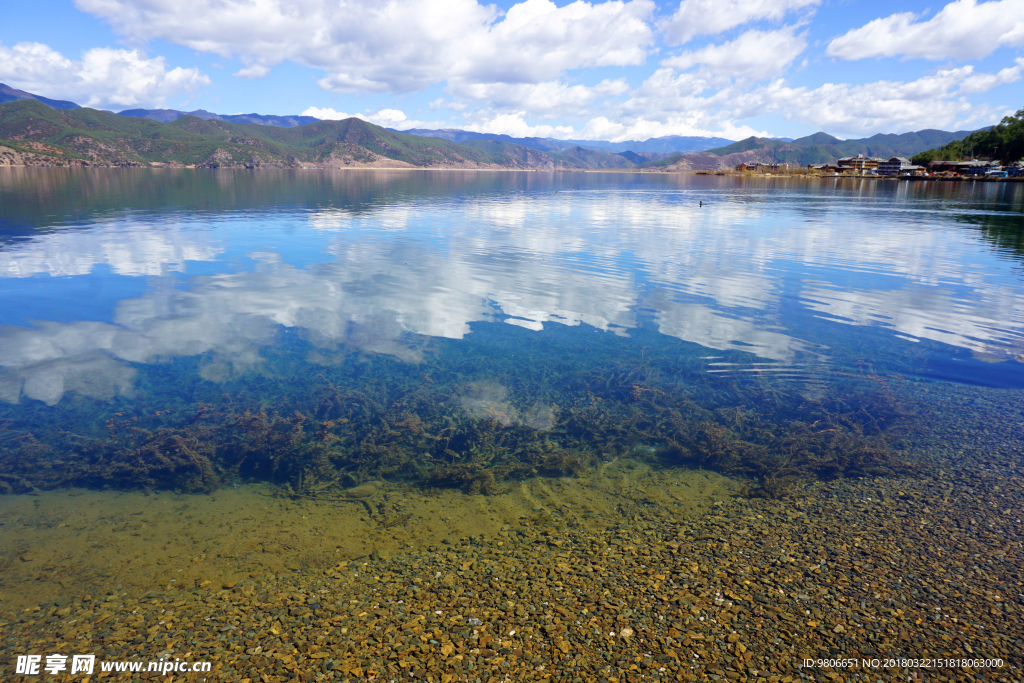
point(140, 290)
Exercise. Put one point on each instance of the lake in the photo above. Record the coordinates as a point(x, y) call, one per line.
point(220, 383)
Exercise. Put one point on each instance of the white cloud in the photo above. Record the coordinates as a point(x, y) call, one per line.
point(755, 55)
point(515, 124)
point(326, 114)
point(964, 29)
point(710, 17)
point(550, 98)
point(670, 103)
point(389, 118)
point(694, 103)
point(640, 128)
point(103, 78)
point(984, 82)
point(254, 72)
point(932, 101)
point(397, 46)
point(538, 40)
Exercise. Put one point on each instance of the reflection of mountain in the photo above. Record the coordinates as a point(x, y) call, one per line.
point(1005, 231)
point(38, 199)
point(744, 272)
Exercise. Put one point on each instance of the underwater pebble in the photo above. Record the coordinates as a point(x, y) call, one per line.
point(823, 575)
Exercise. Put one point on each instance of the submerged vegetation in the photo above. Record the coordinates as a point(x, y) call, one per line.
point(467, 414)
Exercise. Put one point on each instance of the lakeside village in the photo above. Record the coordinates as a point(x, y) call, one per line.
point(896, 167)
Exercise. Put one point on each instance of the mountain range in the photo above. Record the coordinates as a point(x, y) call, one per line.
point(168, 115)
point(32, 133)
point(658, 147)
point(36, 130)
point(9, 94)
point(650, 149)
point(819, 148)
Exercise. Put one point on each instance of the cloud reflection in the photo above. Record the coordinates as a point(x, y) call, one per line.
point(714, 276)
point(936, 314)
point(129, 249)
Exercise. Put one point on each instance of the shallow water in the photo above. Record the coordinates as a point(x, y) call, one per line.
point(278, 338)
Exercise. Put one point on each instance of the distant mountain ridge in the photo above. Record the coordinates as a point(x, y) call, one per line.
point(660, 146)
point(9, 94)
point(819, 148)
point(83, 135)
point(168, 115)
point(459, 135)
point(32, 133)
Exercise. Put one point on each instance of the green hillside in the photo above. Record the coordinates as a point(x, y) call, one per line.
point(88, 135)
point(1004, 141)
point(816, 139)
point(581, 157)
point(822, 148)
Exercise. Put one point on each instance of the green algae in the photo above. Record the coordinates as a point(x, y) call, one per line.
point(479, 414)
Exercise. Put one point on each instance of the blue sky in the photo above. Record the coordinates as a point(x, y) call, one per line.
point(612, 70)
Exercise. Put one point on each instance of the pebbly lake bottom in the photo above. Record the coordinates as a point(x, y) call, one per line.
point(628, 571)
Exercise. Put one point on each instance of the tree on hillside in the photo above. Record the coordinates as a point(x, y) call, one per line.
point(925, 158)
point(1004, 141)
point(1012, 136)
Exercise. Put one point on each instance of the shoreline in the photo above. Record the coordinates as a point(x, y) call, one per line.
point(732, 174)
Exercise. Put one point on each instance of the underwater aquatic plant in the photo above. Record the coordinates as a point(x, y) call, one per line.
point(464, 417)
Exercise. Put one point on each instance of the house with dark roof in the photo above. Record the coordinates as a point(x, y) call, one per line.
point(859, 164)
point(893, 166)
point(972, 168)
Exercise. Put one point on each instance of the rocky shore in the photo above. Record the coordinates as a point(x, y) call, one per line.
point(872, 569)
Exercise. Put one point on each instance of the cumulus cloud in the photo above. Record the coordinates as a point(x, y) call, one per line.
point(933, 101)
point(977, 83)
point(389, 118)
point(670, 103)
point(755, 55)
point(103, 78)
point(538, 40)
point(964, 29)
point(326, 114)
point(695, 103)
point(550, 98)
point(514, 124)
point(698, 124)
point(253, 72)
point(398, 46)
point(710, 17)
point(441, 103)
